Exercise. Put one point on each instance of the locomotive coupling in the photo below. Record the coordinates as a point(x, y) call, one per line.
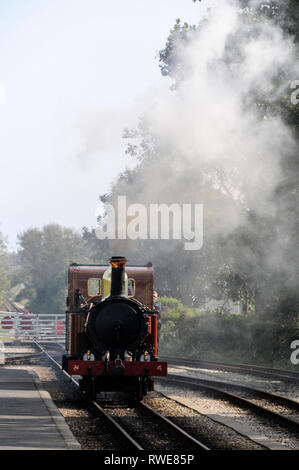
point(118, 368)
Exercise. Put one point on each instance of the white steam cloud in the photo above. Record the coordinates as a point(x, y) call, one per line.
point(213, 134)
point(212, 120)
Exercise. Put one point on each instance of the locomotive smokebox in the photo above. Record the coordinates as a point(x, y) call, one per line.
point(118, 276)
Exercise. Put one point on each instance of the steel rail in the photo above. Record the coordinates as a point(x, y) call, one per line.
point(12, 304)
point(194, 443)
point(169, 425)
point(98, 408)
point(116, 425)
point(278, 399)
point(233, 398)
point(17, 359)
point(283, 374)
point(57, 364)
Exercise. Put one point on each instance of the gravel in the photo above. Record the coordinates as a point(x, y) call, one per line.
point(214, 435)
point(197, 412)
point(288, 389)
point(147, 433)
point(243, 421)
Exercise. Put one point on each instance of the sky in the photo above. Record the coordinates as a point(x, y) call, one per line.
point(73, 74)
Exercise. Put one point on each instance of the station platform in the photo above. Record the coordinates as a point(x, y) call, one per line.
point(29, 419)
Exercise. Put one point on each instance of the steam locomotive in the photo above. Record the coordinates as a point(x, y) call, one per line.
point(112, 329)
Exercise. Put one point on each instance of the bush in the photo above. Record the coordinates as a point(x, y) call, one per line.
point(206, 335)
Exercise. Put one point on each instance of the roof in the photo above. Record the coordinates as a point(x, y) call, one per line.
point(96, 267)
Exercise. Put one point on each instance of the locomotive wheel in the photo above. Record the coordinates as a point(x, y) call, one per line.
point(144, 387)
point(140, 392)
point(88, 387)
point(137, 394)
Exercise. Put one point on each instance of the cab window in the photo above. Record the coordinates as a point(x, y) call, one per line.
point(93, 286)
point(131, 287)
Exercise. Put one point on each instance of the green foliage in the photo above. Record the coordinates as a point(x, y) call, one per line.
point(235, 286)
point(46, 255)
point(173, 309)
point(285, 13)
point(230, 337)
point(169, 61)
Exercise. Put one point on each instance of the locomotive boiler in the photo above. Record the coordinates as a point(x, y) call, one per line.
point(112, 329)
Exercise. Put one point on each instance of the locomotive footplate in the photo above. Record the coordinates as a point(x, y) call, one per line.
point(110, 368)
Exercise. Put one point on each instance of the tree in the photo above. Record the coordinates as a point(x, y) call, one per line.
point(45, 256)
point(246, 250)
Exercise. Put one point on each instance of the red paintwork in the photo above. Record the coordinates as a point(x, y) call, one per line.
point(79, 275)
point(59, 328)
point(26, 323)
point(7, 323)
point(78, 279)
point(131, 368)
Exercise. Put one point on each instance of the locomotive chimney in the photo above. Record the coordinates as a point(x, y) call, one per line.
point(118, 276)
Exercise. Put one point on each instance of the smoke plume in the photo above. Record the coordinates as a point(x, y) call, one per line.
point(213, 135)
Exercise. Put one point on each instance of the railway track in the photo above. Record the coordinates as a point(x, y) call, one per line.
point(286, 375)
point(173, 432)
point(12, 306)
point(21, 358)
point(128, 425)
point(157, 431)
point(286, 418)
